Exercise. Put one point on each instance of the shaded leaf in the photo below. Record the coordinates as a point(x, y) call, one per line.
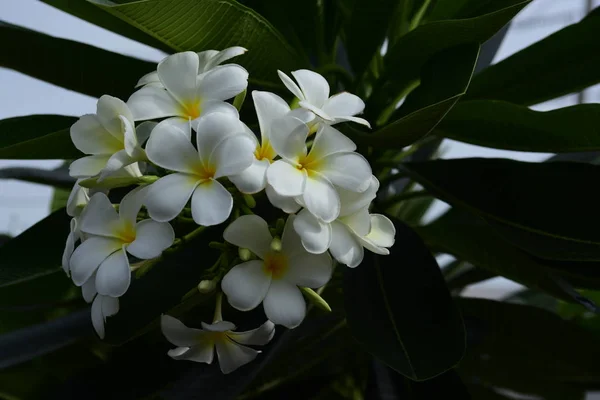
point(460, 9)
point(523, 202)
point(428, 39)
point(199, 25)
point(59, 179)
point(399, 309)
point(473, 241)
point(37, 137)
point(562, 63)
point(35, 252)
point(69, 64)
point(507, 126)
point(522, 348)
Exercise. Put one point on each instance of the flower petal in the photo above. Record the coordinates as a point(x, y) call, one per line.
point(86, 167)
point(204, 57)
point(329, 141)
point(151, 239)
point(212, 129)
point(151, 102)
point(114, 276)
point(316, 110)
point(291, 85)
point(285, 179)
point(291, 243)
point(284, 304)
point(382, 235)
point(310, 270)
point(177, 73)
point(343, 105)
point(202, 352)
point(79, 196)
point(256, 337)
point(110, 306)
point(222, 56)
point(98, 316)
point(101, 218)
point(223, 82)
point(350, 171)
point(211, 203)
point(288, 137)
point(132, 146)
point(90, 137)
point(232, 155)
point(232, 355)
point(345, 247)
point(219, 326)
point(313, 85)
point(88, 256)
point(286, 203)
point(177, 333)
point(359, 222)
point(217, 106)
point(131, 204)
point(246, 285)
point(68, 251)
point(253, 179)
point(117, 161)
point(88, 289)
point(167, 196)
point(144, 130)
point(354, 201)
point(108, 110)
point(250, 232)
point(315, 235)
point(268, 107)
point(151, 78)
point(168, 147)
point(321, 198)
point(357, 120)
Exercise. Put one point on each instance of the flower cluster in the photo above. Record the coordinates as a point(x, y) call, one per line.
point(180, 127)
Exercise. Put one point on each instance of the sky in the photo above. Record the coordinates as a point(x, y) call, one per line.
point(23, 204)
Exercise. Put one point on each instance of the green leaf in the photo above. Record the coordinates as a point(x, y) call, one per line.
point(523, 202)
point(35, 252)
point(519, 347)
point(473, 241)
point(404, 61)
point(460, 9)
point(564, 62)
point(443, 81)
point(507, 126)
point(72, 65)
point(199, 25)
point(90, 13)
point(37, 137)
point(163, 286)
point(399, 309)
point(58, 178)
point(368, 26)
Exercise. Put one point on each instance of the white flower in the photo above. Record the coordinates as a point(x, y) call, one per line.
point(110, 137)
point(222, 150)
point(199, 344)
point(186, 95)
point(275, 277)
point(311, 176)
point(313, 92)
point(78, 199)
point(207, 60)
point(103, 307)
point(268, 107)
point(110, 236)
point(350, 232)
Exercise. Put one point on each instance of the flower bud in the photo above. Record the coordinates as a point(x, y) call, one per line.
point(244, 254)
point(276, 244)
point(206, 286)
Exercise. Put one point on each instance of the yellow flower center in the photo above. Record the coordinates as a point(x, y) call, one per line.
point(265, 151)
point(126, 232)
point(191, 109)
point(275, 264)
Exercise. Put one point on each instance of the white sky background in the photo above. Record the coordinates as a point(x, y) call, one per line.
point(23, 204)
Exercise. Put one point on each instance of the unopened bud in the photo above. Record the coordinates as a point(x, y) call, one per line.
point(276, 244)
point(244, 254)
point(206, 286)
point(250, 202)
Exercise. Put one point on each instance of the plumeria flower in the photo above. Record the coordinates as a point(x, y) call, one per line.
point(186, 95)
point(110, 236)
point(274, 278)
point(354, 229)
point(199, 344)
point(110, 137)
point(223, 149)
point(268, 107)
point(311, 176)
point(207, 60)
point(78, 199)
point(103, 307)
point(313, 92)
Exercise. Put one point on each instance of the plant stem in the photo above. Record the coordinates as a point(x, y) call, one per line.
point(419, 15)
point(218, 315)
